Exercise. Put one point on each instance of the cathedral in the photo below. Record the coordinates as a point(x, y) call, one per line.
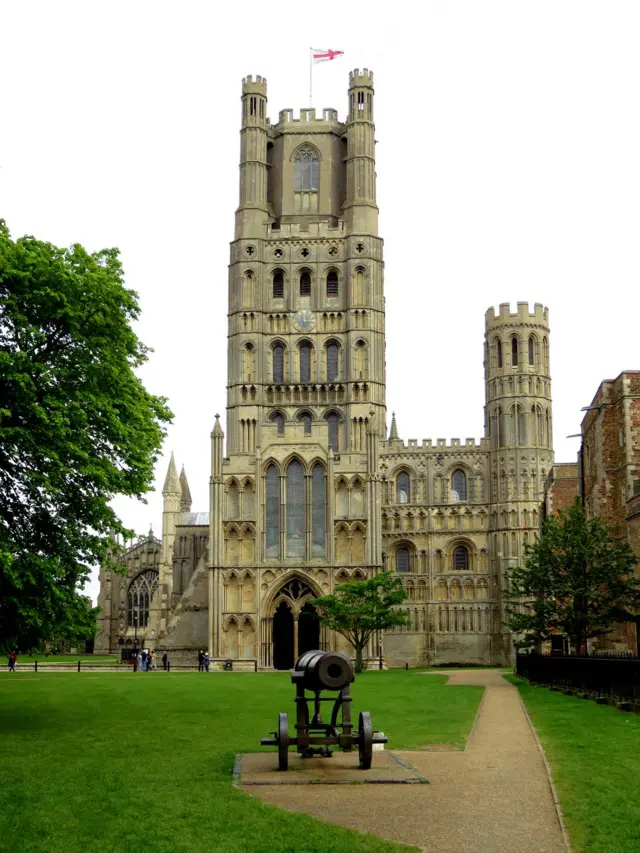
point(307, 489)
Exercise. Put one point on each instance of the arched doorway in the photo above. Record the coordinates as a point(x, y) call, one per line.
point(308, 629)
point(283, 637)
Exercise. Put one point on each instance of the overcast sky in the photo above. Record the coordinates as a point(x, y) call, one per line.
point(508, 170)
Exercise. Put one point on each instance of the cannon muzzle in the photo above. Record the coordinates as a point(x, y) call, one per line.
point(318, 670)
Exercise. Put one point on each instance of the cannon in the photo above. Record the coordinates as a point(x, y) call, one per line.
point(317, 671)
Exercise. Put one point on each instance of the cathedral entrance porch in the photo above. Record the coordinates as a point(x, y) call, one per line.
point(294, 626)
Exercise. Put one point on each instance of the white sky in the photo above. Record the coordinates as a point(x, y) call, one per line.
point(508, 169)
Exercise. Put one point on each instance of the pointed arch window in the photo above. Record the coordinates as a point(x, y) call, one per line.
point(499, 352)
point(403, 488)
point(318, 510)
point(461, 559)
point(459, 486)
point(278, 284)
point(332, 283)
point(334, 431)
point(305, 283)
point(278, 364)
point(305, 362)
point(514, 352)
point(531, 350)
point(332, 362)
point(273, 513)
point(278, 418)
point(296, 514)
point(306, 169)
point(139, 597)
point(402, 560)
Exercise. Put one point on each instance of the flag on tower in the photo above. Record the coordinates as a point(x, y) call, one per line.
point(325, 54)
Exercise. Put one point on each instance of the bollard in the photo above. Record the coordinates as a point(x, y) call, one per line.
point(406, 665)
point(380, 661)
point(35, 666)
point(168, 666)
point(78, 666)
point(255, 666)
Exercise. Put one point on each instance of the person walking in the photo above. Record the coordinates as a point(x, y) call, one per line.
point(206, 661)
point(164, 661)
point(200, 661)
point(12, 660)
point(153, 659)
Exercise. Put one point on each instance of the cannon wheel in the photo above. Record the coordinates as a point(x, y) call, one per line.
point(283, 741)
point(365, 740)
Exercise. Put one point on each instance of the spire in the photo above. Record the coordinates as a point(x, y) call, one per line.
point(171, 481)
point(393, 433)
point(217, 429)
point(185, 503)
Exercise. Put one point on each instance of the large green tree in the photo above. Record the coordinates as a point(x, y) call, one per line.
point(77, 427)
point(577, 580)
point(359, 608)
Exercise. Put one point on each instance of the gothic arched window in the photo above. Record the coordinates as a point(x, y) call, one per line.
point(403, 488)
point(306, 169)
point(273, 513)
point(278, 364)
point(318, 510)
point(278, 418)
point(305, 362)
point(460, 559)
point(296, 514)
point(402, 560)
point(514, 352)
point(499, 352)
point(141, 591)
point(332, 362)
point(278, 284)
point(459, 486)
point(305, 283)
point(334, 431)
point(305, 418)
point(332, 283)
point(531, 350)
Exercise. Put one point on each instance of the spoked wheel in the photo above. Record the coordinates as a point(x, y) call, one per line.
point(283, 741)
point(365, 740)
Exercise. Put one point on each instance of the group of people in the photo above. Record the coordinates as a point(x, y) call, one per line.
point(203, 661)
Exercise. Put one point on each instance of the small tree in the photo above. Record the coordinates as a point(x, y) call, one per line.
point(577, 580)
point(358, 608)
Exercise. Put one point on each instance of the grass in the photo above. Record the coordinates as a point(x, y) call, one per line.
point(594, 754)
point(109, 763)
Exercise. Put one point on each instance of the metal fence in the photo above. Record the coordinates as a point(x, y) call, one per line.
point(610, 676)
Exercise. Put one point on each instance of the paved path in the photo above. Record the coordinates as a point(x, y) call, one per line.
point(494, 797)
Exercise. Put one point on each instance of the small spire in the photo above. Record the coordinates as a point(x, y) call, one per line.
point(217, 429)
point(171, 481)
point(150, 534)
point(185, 503)
point(393, 433)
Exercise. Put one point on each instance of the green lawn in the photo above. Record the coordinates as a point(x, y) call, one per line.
point(594, 754)
point(113, 763)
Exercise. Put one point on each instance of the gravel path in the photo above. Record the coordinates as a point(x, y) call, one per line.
point(495, 797)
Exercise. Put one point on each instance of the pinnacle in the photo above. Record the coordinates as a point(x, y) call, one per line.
point(393, 433)
point(171, 482)
point(185, 503)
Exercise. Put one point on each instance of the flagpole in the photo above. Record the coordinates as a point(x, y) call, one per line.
point(310, 76)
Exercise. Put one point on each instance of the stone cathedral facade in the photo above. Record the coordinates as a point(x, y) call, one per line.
point(306, 488)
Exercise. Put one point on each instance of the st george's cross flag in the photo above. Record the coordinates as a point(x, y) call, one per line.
point(325, 54)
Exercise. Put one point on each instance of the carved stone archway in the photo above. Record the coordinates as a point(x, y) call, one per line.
point(289, 602)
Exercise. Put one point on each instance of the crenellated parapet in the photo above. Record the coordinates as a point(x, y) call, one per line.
point(522, 316)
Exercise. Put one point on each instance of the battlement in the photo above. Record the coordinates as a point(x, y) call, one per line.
point(358, 78)
point(455, 445)
point(257, 86)
point(505, 317)
point(308, 116)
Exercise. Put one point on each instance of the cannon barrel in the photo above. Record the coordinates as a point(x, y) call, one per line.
point(318, 670)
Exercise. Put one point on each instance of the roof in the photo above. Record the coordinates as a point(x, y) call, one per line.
point(194, 519)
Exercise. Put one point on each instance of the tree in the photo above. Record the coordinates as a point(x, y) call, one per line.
point(577, 580)
point(359, 608)
point(77, 427)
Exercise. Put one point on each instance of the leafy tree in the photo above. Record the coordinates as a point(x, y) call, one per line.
point(358, 608)
point(77, 427)
point(577, 580)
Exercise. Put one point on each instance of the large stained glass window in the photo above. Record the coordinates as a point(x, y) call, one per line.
point(296, 510)
point(141, 591)
point(273, 512)
point(318, 511)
